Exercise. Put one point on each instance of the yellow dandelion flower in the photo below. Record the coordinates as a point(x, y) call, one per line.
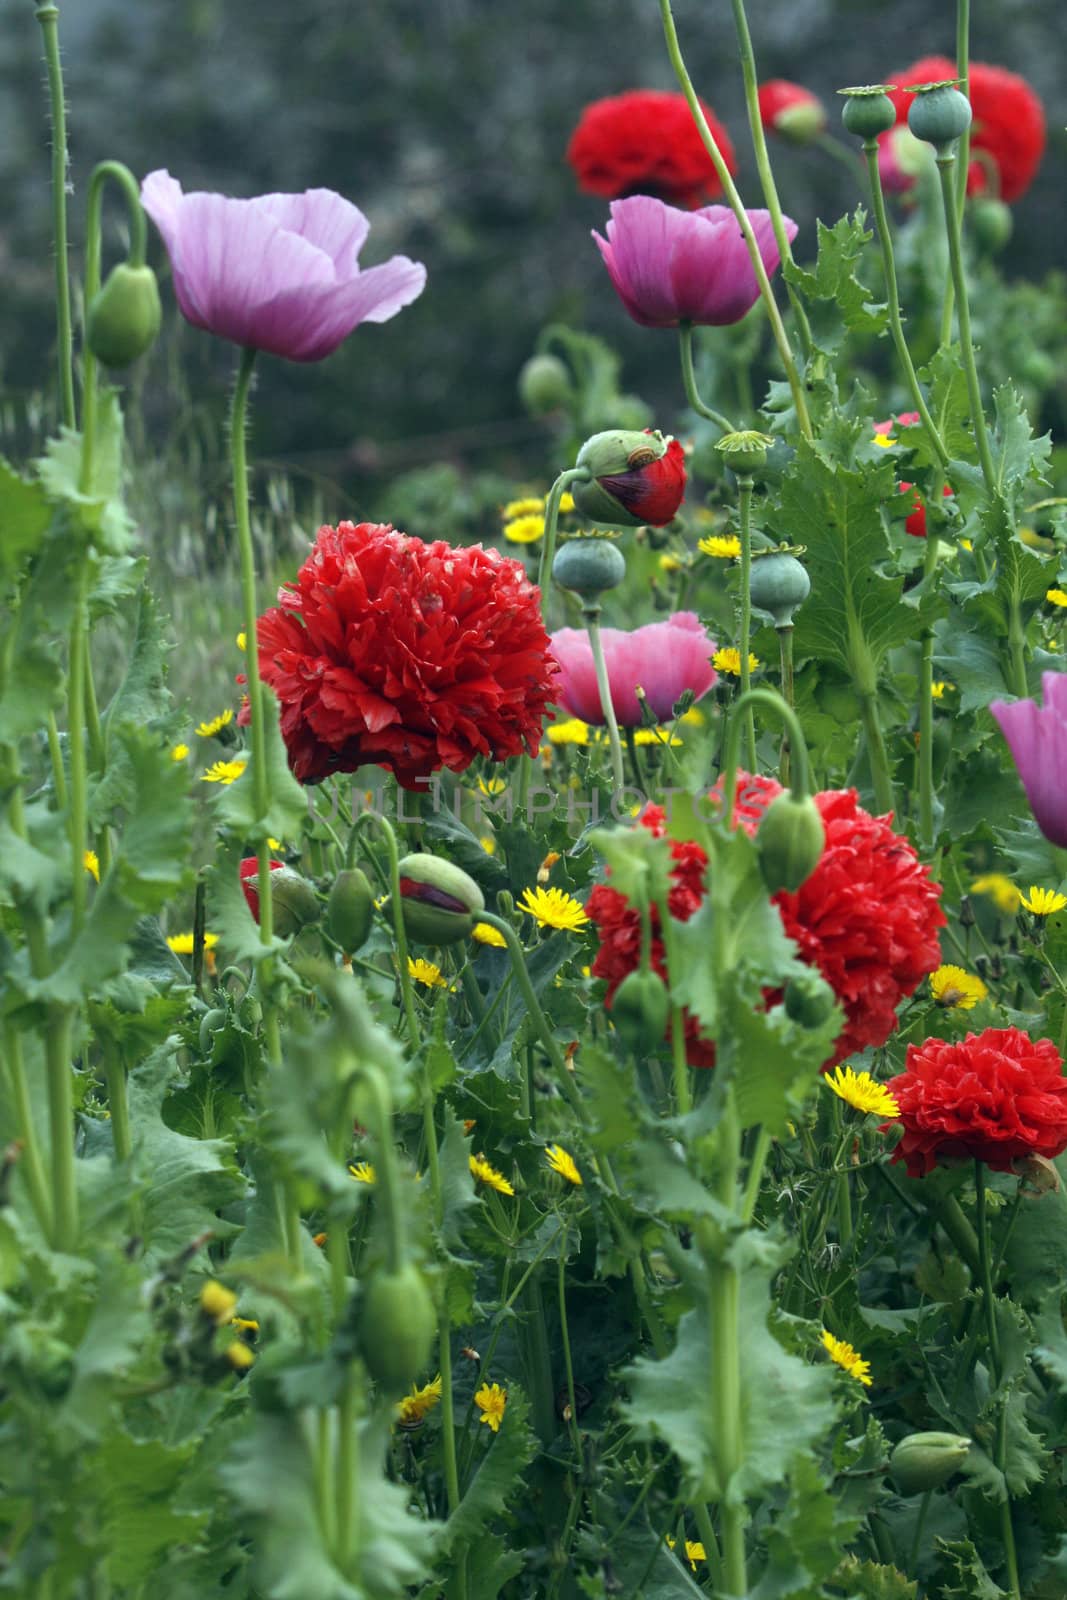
point(491, 1400)
point(484, 934)
point(884, 441)
point(669, 563)
point(275, 844)
point(1043, 902)
point(91, 863)
point(242, 640)
point(488, 844)
point(425, 972)
point(1001, 891)
point(724, 548)
point(966, 544)
point(217, 1302)
point(566, 503)
point(416, 1406)
point(554, 908)
point(848, 1359)
point(223, 772)
point(363, 1172)
point(487, 1174)
point(1058, 597)
point(572, 731)
point(729, 660)
point(179, 752)
point(530, 505)
point(524, 530)
point(240, 1356)
point(694, 1551)
point(694, 717)
point(182, 943)
point(244, 1324)
point(223, 720)
point(492, 785)
point(562, 1162)
point(956, 989)
point(938, 689)
point(643, 736)
point(860, 1091)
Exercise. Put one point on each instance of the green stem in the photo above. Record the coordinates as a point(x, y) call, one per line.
point(763, 164)
point(963, 312)
point(534, 1341)
point(591, 617)
point(55, 752)
point(448, 1413)
point(755, 1174)
point(692, 394)
point(138, 244)
point(926, 707)
point(387, 1184)
point(744, 511)
point(881, 782)
point(920, 1522)
point(798, 745)
point(58, 1043)
point(406, 989)
point(118, 1103)
point(839, 152)
point(1017, 648)
point(963, 70)
point(843, 1192)
point(785, 657)
point(896, 324)
point(548, 542)
point(724, 1301)
point(993, 1339)
point(48, 17)
point(733, 199)
point(79, 777)
point(346, 1485)
point(572, 1410)
point(31, 1164)
point(533, 1005)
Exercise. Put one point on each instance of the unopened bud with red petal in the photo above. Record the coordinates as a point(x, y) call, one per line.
point(294, 902)
point(636, 478)
point(789, 841)
point(791, 111)
point(440, 902)
point(924, 1461)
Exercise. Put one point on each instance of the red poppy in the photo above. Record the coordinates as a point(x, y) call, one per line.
point(866, 918)
point(646, 142)
point(248, 872)
point(997, 1097)
point(653, 491)
point(790, 110)
point(1008, 131)
point(916, 521)
point(408, 655)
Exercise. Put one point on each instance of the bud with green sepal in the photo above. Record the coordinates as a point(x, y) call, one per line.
point(295, 903)
point(924, 1461)
point(868, 110)
point(789, 841)
point(635, 478)
point(439, 901)
point(809, 1000)
point(545, 385)
point(588, 566)
point(939, 114)
point(124, 318)
point(640, 1010)
point(350, 910)
point(397, 1323)
point(991, 223)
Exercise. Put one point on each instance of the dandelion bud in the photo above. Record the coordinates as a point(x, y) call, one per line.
point(926, 1460)
point(636, 478)
point(439, 901)
point(789, 841)
point(124, 316)
point(217, 1302)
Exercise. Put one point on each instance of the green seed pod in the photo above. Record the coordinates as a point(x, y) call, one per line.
point(991, 224)
point(868, 111)
point(211, 1023)
point(809, 1000)
point(778, 584)
point(924, 1461)
point(440, 902)
point(350, 910)
point(939, 114)
point(746, 452)
point(789, 841)
point(589, 566)
point(397, 1324)
point(640, 1010)
point(544, 385)
point(294, 901)
point(124, 316)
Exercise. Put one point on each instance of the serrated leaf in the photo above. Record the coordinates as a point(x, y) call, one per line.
point(498, 1475)
point(31, 672)
point(950, 408)
point(1017, 455)
point(834, 277)
point(98, 507)
point(138, 1482)
point(869, 1580)
point(24, 517)
point(806, 1542)
point(966, 1577)
point(457, 1184)
point(287, 806)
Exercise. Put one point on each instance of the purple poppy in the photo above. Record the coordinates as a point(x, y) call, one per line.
point(670, 266)
point(279, 273)
point(663, 658)
point(1037, 738)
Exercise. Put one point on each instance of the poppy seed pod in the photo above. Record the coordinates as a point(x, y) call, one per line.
point(589, 566)
point(635, 478)
point(939, 114)
point(124, 316)
point(746, 452)
point(778, 584)
point(868, 111)
point(789, 841)
point(439, 901)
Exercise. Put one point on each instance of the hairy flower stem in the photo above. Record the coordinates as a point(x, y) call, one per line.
point(945, 163)
point(896, 322)
point(993, 1339)
point(59, 1033)
point(591, 618)
point(773, 702)
point(724, 1305)
point(926, 706)
point(78, 819)
point(736, 205)
point(785, 656)
point(548, 542)
point(744, 521)
point(448, 1410)
point(120, 174)
point(568, 1364)
point(963, 73)
point(881, 782)
point(689, 381)
point(31, 1164)
point(118, 1101)
point(48, 17)
point(763, 165)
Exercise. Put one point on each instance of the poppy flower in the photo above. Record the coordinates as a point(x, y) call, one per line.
point(663, 658)
point(279, 273)
point(646, 142)
point(997, 1097)
point(1037, 738)
point(636, 478)
point(671, 266)
point(411, 656)
point(791, 111)
point(916, 520)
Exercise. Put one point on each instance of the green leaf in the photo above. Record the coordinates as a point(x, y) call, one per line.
point(498, 1475)
point(457, 1184)
point(24, 516)
point(950, 407)
point(870, 1581)
point(117, 1328)
point(806, 1543)
point(139, 1481)
point(98, 507)
point(1017, 456)
point(287, 806)
point(965, 1575)
point(31, 672)
point(834, 278)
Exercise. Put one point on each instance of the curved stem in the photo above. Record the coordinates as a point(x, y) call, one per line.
point(591, 616)
point(744, 512)
point(548, 540)
point(689, 381)
point(399, 931)
point(926, 707)
point(48, 17)
point(533, 1005)
point(896, 323)
point(774, 702)
point(733, 199)
point(963, 73)
point(963, 312)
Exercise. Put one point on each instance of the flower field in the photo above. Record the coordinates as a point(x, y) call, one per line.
point(542, 1076)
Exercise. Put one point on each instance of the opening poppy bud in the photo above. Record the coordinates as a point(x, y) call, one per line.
point(124, 316)
point(789, 841)
point(397, 1323)
point(588, 566)
point(746, 452)
point(809, 1000)
point(636, 478)
point(791, 111)
point(939, 114)
point(440, 902)
point(923, 1461)
point(293, 899)
point(868, 110)
point(778, 584)
point(640, 1010)
point(350, 910)
point(544, 385)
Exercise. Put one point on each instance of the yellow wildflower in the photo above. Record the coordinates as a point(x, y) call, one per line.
point(1058, 597)
point(492, 785)
point(524, 530)
point(91, 863)
point(644, 736)
point(530, 505)
point(417, 1405)
point(363, 1172)
point(554, 908)
point(488, 844)
point(217, 1302)
point(182, 943)
point(562, 1162)
point(729, 660)
point(223, 720)
point(487, 1174)
point(848, 1359)
point(725, 548)
point(956, 989)
point(179, 752)
point(223, 772)
point(572, 731)
point(484, 934)
point(1043, 902)
point(694, 1551)
point(1001, 891)
point(669, 563)
point(566, 503)
point(239, 1356)
point(860, 1091)
point(491, 1400)
point(884, 441)
point(938, 689)
point(694, 717)
point(429, 974)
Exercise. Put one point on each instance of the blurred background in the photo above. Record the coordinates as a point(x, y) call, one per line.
point(446, 121)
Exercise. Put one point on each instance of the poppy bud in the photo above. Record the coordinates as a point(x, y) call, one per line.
point(397, 1323)
point(923, 1461)
point(789, 841)
point(809, 1000)
point(124, 316)
point(868, 111)
point(778, 584)
point(791, 111)
point(991, 224)
point(636, 478)
point(544, 385)
point(350, 910)
point(939, 114)
point(589, 566)
point(439, 901)
point(294, 902)
point(640, 1010)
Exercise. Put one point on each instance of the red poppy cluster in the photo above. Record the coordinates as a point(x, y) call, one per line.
point(1008, 131)
point(411, 656)
point(867, 918)
point(646, 142)
point(997, 1097)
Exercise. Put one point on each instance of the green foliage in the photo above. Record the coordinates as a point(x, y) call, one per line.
point(841, 248)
